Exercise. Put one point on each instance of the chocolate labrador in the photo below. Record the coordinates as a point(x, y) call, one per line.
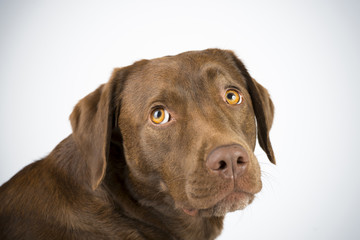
point(162, 151)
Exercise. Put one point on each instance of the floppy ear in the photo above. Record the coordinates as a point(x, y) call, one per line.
point(263, 108)
point(92, 121)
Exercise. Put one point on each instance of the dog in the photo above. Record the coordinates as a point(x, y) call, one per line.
point(163, 150)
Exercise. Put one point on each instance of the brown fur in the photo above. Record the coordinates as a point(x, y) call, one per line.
point(118, 176)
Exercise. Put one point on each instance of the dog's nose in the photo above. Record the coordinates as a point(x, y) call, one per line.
point(228, 161)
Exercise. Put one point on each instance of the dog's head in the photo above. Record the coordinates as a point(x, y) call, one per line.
point(188, 126)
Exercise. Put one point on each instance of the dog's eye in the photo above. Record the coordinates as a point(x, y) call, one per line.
point(159, 116)
point(233, 97)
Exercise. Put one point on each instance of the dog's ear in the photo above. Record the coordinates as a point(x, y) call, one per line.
point(263, 108)
point(93, 120)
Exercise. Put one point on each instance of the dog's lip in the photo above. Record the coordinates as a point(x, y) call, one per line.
point(191, 211)
point(233, 194)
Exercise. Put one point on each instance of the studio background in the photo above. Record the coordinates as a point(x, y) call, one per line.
point(306, 53)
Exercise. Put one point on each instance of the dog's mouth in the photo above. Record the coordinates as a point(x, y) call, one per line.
point(236, 200)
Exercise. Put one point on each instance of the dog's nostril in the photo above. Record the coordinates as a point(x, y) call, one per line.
point(240, 160)
point(222, 165)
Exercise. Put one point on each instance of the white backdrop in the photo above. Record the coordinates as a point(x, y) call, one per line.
point(52, 53)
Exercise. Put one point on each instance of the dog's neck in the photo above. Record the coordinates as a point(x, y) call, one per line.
point(156, 209)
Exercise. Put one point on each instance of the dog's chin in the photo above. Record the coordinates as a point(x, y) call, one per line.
point(232, 202)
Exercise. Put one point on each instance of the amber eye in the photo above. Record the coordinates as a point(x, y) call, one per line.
point(159, 116)
point(233, 97)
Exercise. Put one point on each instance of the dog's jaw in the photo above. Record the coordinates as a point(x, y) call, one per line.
point(233, 201)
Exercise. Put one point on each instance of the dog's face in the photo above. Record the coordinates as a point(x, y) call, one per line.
point(188, 126)
point(189, 131)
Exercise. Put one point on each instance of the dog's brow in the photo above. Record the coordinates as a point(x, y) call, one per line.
point(165, 96)
point(212, 72)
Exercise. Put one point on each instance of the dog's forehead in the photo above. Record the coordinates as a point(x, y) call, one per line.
point(179, 78)
point(185, 71)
